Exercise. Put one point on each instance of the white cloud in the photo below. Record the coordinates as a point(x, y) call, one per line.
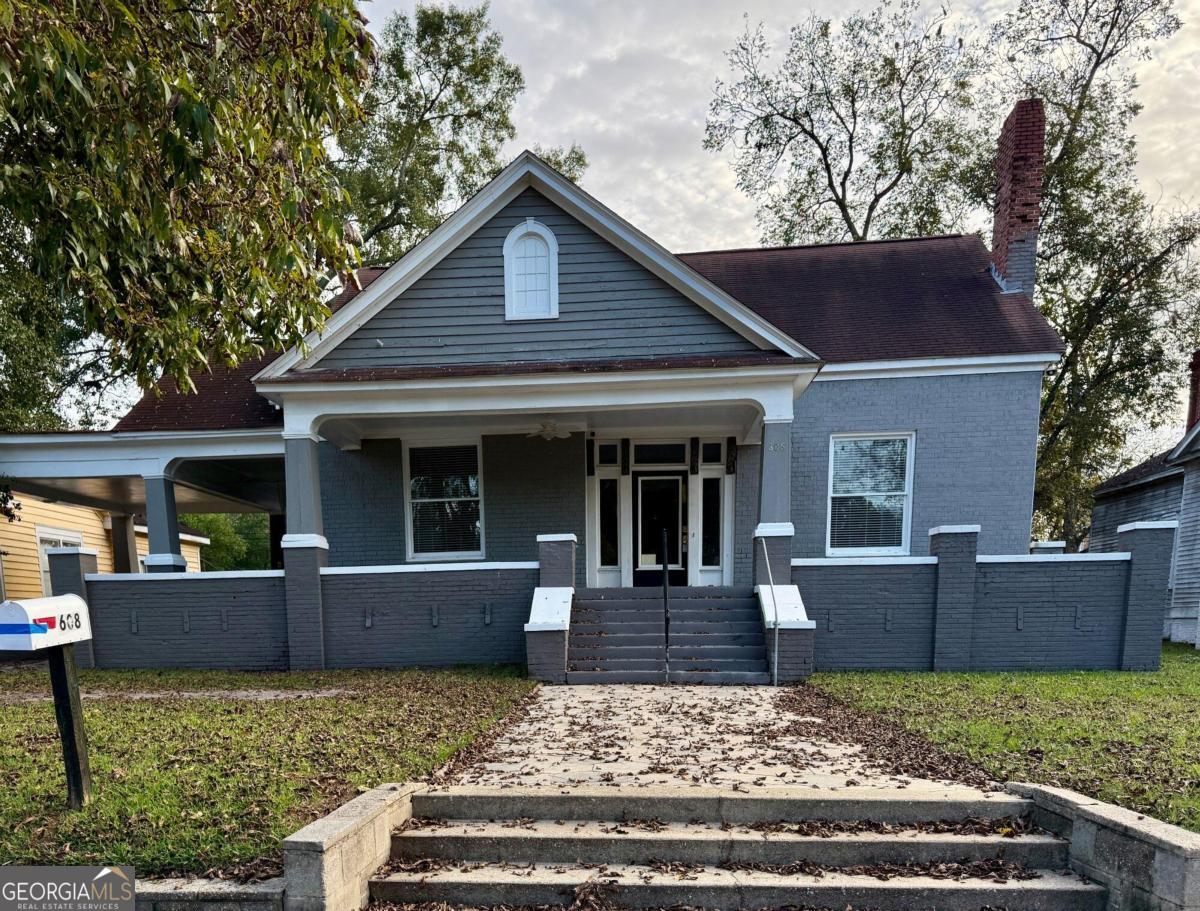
point(631, 82)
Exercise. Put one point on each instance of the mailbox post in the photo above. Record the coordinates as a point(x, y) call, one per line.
point(52, 626)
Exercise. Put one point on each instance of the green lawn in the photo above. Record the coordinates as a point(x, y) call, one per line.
point(188, 785)
point(1128, 738)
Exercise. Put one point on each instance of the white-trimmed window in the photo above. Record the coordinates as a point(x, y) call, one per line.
point(48, 539)
point(870, 493)
point(530, 272)
point(445, 502)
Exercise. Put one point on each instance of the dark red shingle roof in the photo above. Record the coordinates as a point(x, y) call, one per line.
point(880, 300)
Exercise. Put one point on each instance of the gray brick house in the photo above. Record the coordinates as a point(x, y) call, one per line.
point(496, 441)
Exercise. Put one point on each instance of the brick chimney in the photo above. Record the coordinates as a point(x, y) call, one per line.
point(1193, 412)
point(1020, 164)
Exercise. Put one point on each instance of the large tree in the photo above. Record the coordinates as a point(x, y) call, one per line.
point(168, 161)
point(1114, 275)
point(857, 132)
point(439, 110)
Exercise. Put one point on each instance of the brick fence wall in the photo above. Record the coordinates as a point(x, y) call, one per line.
point(393, 619)
point(961, 611)
point(954, 610)
point(208, 620)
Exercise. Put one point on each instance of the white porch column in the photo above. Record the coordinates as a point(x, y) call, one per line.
point(302, 477)
point(774, 528)
point(305, 553)
point(166, 556)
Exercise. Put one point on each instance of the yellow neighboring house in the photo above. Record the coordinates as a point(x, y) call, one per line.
point(24, 572)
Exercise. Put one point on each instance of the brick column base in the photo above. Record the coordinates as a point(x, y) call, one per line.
point(303, 558)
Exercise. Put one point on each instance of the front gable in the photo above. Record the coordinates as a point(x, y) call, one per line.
point(611, 273)
point(609, 306)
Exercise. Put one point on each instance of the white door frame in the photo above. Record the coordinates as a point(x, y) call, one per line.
point(622, 575)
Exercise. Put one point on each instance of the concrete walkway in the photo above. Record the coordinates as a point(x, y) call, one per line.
point(730, 737)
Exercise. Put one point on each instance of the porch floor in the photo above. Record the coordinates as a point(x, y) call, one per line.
point(638, 736)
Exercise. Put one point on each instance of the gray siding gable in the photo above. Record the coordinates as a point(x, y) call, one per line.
point(1153, 502)
point(609, 307)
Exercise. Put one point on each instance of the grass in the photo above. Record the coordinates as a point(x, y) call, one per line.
point(1128, 738)
point(195, 785)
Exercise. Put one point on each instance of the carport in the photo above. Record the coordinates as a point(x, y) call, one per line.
point(152, 472)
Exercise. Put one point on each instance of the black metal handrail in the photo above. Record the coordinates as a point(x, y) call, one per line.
point(666, 562)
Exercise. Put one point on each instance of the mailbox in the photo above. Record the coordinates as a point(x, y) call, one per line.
point(34, 624)
point(50, 627)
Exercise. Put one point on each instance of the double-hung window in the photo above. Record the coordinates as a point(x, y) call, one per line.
point(870, 493)
point(445, 502)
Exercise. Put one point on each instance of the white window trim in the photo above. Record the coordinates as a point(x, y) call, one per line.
point(906, 522)
point(411, 554)
point(529, 226)
point(48, 532)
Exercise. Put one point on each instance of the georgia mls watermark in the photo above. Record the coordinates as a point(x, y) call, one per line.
point(66, 889)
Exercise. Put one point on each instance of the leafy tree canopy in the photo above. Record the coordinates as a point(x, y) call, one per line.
point(168, 164)
point(857, 132)
point(237, 540)
point(438, 112)
point(883, 125)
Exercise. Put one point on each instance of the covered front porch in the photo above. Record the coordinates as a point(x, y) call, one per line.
point(440, 471)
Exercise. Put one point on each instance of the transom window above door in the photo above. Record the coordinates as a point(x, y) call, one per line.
point(530, 272)
point(870, 493)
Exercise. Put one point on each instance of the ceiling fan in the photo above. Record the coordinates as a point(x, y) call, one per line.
point(549, 431)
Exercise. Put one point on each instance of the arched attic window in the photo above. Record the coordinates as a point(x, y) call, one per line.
point(530, 272)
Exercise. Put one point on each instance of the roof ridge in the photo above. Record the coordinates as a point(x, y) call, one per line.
point(836, 243)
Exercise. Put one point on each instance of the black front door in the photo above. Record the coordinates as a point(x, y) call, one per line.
point(659, 502)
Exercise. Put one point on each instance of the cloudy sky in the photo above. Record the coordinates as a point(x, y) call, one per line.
point(630, 81)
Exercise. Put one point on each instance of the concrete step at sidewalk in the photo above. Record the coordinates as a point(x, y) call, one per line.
point(546, 841)
point(616, 677)
point(643, 887)
point(898, 806)
point(714, 677)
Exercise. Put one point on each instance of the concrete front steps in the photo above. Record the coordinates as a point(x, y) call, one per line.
point(618, 635)
point(655, 848)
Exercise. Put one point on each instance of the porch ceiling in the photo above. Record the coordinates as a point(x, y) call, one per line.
point(718, 419)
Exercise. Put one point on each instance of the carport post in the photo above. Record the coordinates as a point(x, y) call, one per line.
point(166, 556)
point(124, 544)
